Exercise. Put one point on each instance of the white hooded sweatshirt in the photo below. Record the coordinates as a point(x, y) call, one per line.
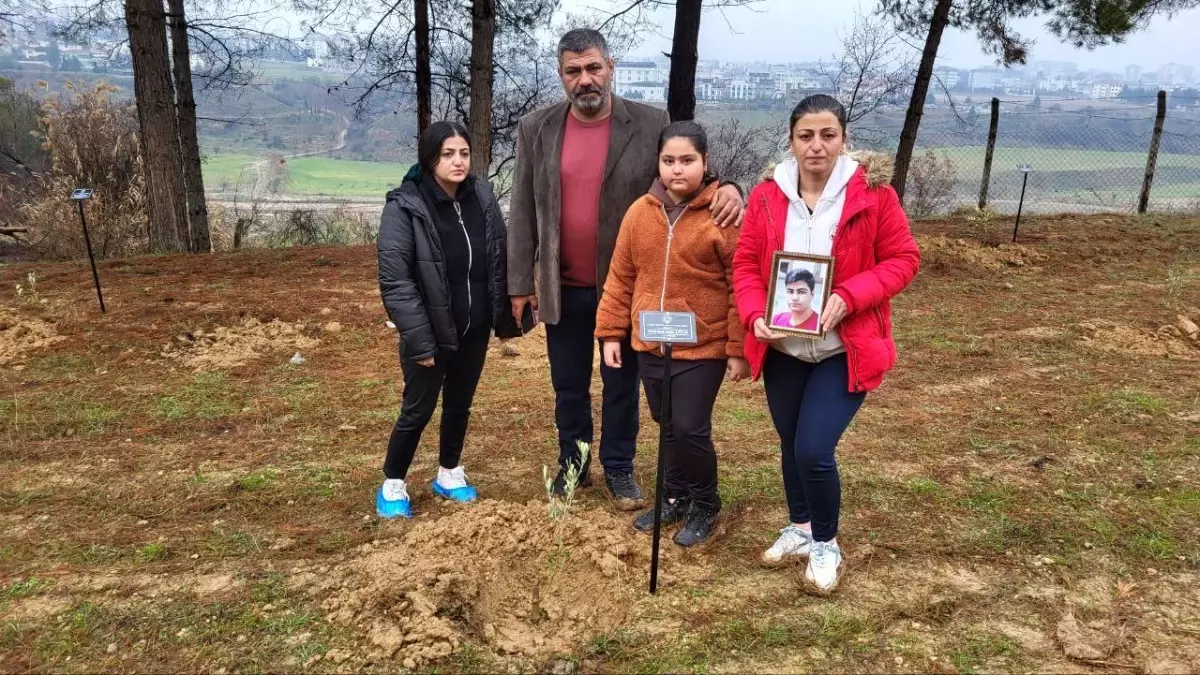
point(812, 232)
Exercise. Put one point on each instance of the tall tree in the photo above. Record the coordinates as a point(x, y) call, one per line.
point(189, 144)
point(685, 52)
point(424, 79)
point(1082, 23)
point(916, 104)
point(483, 43)
point(155, 94)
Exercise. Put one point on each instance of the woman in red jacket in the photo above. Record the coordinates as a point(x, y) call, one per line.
point(821, 201)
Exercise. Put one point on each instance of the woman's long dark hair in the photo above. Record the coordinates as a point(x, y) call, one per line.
point(429, 145)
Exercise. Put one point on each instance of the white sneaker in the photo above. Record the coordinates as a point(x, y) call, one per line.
point(792, 541)
point(451, 479)
point(394, 490)
point(824, 566)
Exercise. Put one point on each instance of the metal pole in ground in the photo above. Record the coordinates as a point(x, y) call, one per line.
point(664, 424)
point(1020, 205)
point(79, 196)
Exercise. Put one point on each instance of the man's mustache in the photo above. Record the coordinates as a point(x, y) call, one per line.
point(588, 89)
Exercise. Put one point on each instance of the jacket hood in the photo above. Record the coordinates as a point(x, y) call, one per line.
point(658, 194)
point(787, 177)
point(877, 167)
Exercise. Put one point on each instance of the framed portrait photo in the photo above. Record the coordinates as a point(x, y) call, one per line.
point(799, 290)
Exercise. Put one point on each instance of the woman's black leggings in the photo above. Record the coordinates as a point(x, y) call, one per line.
point(454, 375)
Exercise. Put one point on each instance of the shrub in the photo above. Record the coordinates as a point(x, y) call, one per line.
point(931, 182)
point(92, 141)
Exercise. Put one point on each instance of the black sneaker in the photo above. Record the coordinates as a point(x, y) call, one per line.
point(559, 487)
point(698, 527)
point(624, 490)
point(672, 512)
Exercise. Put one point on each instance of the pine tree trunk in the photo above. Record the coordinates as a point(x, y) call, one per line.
point(685, 52)
point(146, 23)
point(424, 75)
point(483, 37)
point(189, 144)
point(916, 104)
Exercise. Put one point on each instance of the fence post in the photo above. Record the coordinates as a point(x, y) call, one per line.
point(987, 159)
point(1152, 159)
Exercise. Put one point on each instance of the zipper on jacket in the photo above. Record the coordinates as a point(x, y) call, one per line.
point(662, 302)
point(470, 261)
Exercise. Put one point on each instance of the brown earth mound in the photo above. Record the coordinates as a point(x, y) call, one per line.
point(20, 335)
point(499, 574)
point(230, 346)
point(943, 251)
point(1176, 341)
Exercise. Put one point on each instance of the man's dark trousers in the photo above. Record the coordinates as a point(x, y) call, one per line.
point(571, 345)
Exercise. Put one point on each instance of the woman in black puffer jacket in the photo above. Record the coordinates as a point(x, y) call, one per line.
point(442, 275)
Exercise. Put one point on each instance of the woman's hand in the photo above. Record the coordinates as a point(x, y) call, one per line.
point(737, 369)
point(428, 363)
point(612, 354)
point(833, 313)
point(763, 332)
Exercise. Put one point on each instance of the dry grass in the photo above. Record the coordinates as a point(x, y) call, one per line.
point(1009, 474)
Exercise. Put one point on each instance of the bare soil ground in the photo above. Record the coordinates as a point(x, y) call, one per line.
point(1021, 495)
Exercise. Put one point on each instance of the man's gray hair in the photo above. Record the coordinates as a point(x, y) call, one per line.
point(582, 39)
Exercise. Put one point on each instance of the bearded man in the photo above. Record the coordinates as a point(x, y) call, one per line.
point(579, 167)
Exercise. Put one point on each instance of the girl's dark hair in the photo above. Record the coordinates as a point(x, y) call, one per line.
point(685, 129)
point(694, 133)
point(429, 145)
point(818, 103)
point(798, 274)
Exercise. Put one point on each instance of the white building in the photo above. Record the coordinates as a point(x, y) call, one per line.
point(1106, 90)
point(742, 90)
point(1133, 74)
point(985, 79)
point(643, 91)
point(638, 71)
point(949, 76)
point(316, 46)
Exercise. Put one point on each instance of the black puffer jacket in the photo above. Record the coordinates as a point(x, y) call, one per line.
point(412, 271)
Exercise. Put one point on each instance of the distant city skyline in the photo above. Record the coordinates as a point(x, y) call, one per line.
point(783, 31)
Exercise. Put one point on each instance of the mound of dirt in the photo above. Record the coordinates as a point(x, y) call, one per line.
point(1174, 341)
point(497, 573)
point(943, 251)
point(21, 335)
point(230, 346)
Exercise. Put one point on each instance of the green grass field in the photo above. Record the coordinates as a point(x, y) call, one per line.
point(310, 175)
point(224, 169)
point(970, 159)
point(343, 178)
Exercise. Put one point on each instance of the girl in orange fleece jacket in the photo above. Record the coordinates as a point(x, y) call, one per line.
point(669, 257)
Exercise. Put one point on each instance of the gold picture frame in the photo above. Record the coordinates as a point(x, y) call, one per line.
point(779, 314)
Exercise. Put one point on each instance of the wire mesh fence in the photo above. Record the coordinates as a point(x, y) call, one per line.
point(1087, 156)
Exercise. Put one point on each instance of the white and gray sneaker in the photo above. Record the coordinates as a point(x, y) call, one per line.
point(792, 541)
point(824, 566)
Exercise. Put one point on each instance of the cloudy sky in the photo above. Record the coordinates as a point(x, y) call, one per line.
point(804, 30)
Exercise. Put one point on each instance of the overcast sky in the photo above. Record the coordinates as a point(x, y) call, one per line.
point(805, 30)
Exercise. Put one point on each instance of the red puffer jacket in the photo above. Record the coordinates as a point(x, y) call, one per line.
point(875, 257)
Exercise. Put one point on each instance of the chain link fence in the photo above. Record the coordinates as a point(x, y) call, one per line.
point(1087, 156)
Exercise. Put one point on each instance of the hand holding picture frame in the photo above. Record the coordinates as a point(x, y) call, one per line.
point(799, 290)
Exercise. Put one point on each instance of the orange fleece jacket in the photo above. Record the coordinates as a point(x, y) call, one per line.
point(699, 277)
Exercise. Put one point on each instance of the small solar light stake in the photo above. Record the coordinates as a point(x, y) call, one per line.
point(1025, 170)
point(79, 195)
